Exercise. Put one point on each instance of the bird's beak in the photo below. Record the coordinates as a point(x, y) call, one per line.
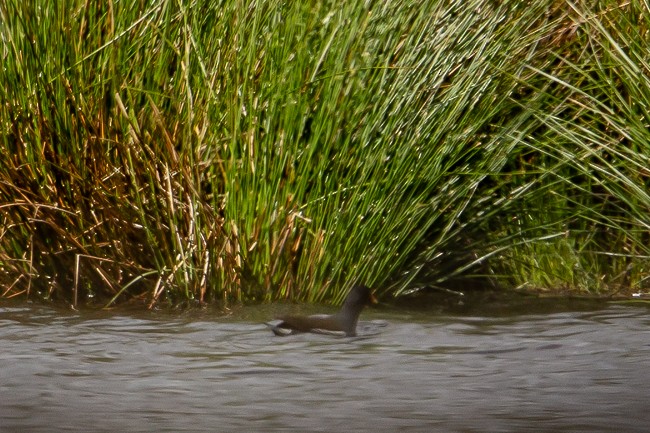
point(373, 299)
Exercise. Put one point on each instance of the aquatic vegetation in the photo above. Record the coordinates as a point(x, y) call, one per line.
point(215, 150)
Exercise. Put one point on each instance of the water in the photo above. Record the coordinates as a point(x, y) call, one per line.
point(570, 369)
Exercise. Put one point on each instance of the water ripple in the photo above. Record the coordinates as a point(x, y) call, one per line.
point(565, 371)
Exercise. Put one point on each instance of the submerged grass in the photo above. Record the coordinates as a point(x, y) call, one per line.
point(222, 150)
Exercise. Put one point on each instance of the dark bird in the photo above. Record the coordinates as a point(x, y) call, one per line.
point(345, 321)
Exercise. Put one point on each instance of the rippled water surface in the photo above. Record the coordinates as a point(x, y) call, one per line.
point(512, 371)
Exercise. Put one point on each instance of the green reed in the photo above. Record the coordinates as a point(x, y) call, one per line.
point(206, 150)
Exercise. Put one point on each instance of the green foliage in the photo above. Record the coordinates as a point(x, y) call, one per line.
point(593, 154)
point(261, 150)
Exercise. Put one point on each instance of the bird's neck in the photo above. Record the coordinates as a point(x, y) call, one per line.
point(349, 316)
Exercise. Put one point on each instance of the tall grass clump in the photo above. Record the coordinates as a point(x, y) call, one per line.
point(201, 150)
point(586, 225)
point(362, 163)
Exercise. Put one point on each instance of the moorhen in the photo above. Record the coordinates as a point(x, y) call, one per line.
point(345, 321)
